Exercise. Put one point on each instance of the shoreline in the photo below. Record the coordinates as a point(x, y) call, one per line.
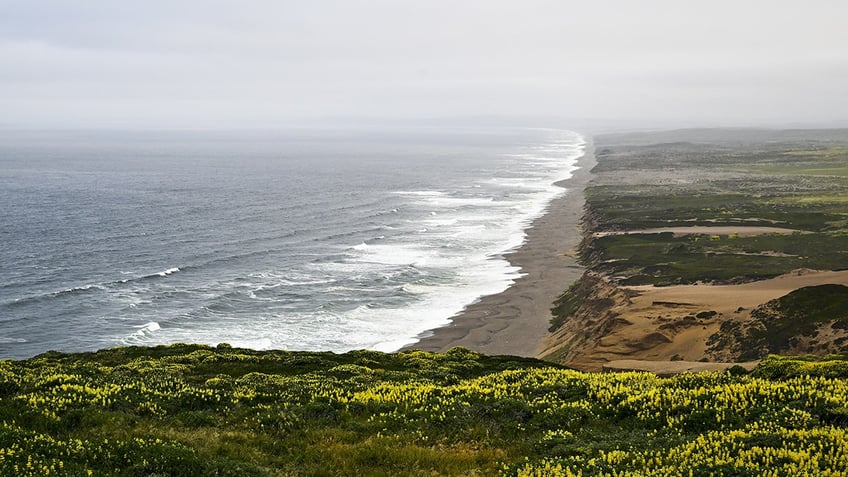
point(516, 320)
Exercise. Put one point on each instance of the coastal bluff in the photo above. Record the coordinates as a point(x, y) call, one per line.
point(709, 246)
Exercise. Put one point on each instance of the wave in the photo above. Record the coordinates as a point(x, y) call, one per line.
point(368, 230)
point(83, 289)
point(169, 271)
point(289, 278)
point(143, 332)
point(160, 274)
point(515, 183)
point(349, 209)
point(456, 202)
point(440, 222)
point(7, 340)
point(396, 255)
point(414, 288)
point(423, 193)
point(91, 287)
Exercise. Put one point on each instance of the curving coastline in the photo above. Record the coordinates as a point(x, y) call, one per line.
point(516, 320)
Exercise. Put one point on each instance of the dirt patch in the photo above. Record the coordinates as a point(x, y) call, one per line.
point(741, 231)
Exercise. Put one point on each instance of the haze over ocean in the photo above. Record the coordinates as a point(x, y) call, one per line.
point(299, 240)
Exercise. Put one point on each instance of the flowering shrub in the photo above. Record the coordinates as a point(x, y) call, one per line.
point(195, 410)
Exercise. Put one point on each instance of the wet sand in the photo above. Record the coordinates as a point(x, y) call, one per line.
point(515, 321)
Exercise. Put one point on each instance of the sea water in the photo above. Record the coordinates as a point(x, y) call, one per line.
point(293, 239)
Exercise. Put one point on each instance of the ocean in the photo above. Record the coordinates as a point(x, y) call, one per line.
point(297, 239)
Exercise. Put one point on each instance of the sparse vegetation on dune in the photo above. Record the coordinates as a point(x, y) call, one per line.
point(793, 322)
point(195, 410)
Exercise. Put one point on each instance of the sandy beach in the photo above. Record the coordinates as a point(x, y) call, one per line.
point(516, 320)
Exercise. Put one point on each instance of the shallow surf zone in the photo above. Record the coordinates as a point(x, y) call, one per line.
point(340, 245)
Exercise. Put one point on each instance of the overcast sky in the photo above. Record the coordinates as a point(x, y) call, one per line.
point(222, 63)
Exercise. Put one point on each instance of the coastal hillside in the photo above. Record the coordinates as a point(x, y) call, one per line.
point(710, 245)
point(193, 410)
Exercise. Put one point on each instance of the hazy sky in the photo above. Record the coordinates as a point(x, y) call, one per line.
point(222, 63)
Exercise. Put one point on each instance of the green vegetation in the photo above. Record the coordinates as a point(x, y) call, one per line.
point(779, 325)
point(196, 410)
point(828, 162)
point(791, 367)
point(663, 259)
point(814, 304)
point(810, 206)
point(799, 186)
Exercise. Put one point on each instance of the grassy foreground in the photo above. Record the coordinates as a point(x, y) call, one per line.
point(195, 410)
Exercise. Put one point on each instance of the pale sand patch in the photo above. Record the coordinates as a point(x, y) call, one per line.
point(660, 323)
point(728, 298)
point(742, 231)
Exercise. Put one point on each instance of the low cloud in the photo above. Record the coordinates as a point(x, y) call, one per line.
point(226, 63)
